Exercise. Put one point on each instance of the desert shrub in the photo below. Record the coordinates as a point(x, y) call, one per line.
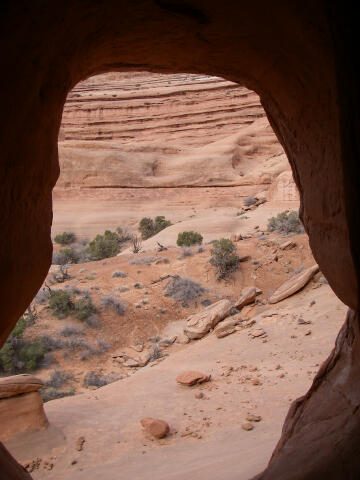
point(286, 223)
point(183, 289)
point(70, 331)
point(119, 273)
point(76, 343)
point(93, 321)
point(31, 354)
point(102, 345)
point(135, 244)
point(149, 227)
point(201, 250)
point(224, 257)
point(186, 252)
point(42, 296)
point(61, 303)
point(92, 379)
point(52, 393)
point(64, 256)
point(52, 343)
point(123, 235)
point(58, 378)
point(84, 308)
point(65, 238)
point(142, 260)
point(186, 239)
point(104, 246)
point(110, 302)
point(248, 201)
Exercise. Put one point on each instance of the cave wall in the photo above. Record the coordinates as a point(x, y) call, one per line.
point(296, 55)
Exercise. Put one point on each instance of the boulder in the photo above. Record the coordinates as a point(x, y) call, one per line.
point(227, 326)
point(191, 377)
point(17, 384)
point(288, 245)
point(294, 284)
point(156, 428)
point(248, 296)
point(202, 322)
point(182, 339)
point(21, 413)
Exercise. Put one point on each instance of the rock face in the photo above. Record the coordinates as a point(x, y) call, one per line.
point(202, 322)
point(294, 284)
point(17, 384)
point(246, 298)
point(144, 129)
point(21, 413)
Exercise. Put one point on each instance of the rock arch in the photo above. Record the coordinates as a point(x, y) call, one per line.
point(299, 57)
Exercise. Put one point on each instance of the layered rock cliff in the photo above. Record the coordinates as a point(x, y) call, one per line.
point(151, 130)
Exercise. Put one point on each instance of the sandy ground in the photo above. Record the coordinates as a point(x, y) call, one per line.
point(217, 446)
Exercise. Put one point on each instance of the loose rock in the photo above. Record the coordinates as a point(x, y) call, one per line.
point(191, 377)
point(156, 428)
point(247, 426)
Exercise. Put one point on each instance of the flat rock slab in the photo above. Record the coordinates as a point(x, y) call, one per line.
point(294, 284)
point(18, 384)
point(156, 428)
point(199, 324)
point(191, 377)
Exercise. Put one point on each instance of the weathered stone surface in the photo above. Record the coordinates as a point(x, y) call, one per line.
point(294, 284)
point(248, 296)
point(202, 322)
point(224, 332)
point(20, 414)
point(17, 384)
point(288, 245)
point(156, 428)
point(191, 377)
point(227, 326)
point(182, 339)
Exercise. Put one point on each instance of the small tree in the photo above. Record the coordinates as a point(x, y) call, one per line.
point(65, 238)
point(104, 246)
point(224, 257)
point(186, 239)
point(136, 243)
point(65, 256)
point(286, 223)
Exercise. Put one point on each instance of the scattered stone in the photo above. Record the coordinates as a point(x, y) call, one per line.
point(244, 258)
point(308, 332)
point(80, 443)
point(250, 417)
point(138, 285)
point(294, 284)
point(288, 245)
point(247, 297)
point(199, 395)
point(191, 377)
point(256, 381)
point(182, 339)
point(131, 362)
point(259, 332)
point(225, 332)
point(156, 428)
point(199, 324)
point(301, 321)
point(138, 347)
point(247, 426)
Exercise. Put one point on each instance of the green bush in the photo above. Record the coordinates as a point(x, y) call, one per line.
point(84, 308)
point(286, 223)
point(18, 355)
point(104, 246)
point(64, 256)
point(32, 353)
point(65, 238)
point(186, 239)
point(149, 227)
point(224, 257)
point(60, 303)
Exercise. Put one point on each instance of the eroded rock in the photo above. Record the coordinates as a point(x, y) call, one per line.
point(248, 296)
point(294, 284)
point(17, 384)
point(202, 322)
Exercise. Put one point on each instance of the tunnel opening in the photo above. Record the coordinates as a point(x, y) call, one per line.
point(152, 159)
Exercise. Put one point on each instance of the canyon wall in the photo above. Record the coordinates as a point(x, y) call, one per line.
point(150, 130)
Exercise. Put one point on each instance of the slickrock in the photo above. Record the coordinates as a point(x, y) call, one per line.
point(190, 378)
point(248, 296)
point(294, 284)
point(17, 384)
point(156, 428)
point(202, 322)
point(21, 413)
